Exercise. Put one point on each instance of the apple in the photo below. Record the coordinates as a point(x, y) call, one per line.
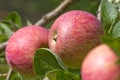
point(73, 34)
point(21, 47)
point(101, 63)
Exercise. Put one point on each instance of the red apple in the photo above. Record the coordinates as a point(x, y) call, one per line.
point(21, 47)
point(73, 34)
point(101, 64)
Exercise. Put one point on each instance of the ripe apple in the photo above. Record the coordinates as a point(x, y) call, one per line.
point(21, 47)
point(101, 64)
point(73, 34)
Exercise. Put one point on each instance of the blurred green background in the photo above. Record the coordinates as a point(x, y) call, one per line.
point(33, 9)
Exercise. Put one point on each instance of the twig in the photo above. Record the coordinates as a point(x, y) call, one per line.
point(99, 12)
point(2, 45)
point(54, 12)
point(8, 74)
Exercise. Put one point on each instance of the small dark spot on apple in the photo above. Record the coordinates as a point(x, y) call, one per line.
point(55, 37)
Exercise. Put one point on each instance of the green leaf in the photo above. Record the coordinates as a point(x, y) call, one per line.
point(15, 19)
point(62, 75)
point(74, 71)
point(9, 25)
point(3, 67)
point(3, 38)
point(4, 29)
point(2, 78)
point(29, 23)
point(106, 27)
point(2, 54)
point(16, 76)
point(116, 30)
point(109, 11)
point(113, 43)
point(45, 60)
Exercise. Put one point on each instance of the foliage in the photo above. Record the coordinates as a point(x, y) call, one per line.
point(110, 20)
point(46, 63)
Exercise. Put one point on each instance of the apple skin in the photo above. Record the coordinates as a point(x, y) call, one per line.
point(21, 47)
point(101, 64)
point(73, 34)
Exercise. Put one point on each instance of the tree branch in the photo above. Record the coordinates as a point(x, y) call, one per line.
point(55, 12)
point(99, 12)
